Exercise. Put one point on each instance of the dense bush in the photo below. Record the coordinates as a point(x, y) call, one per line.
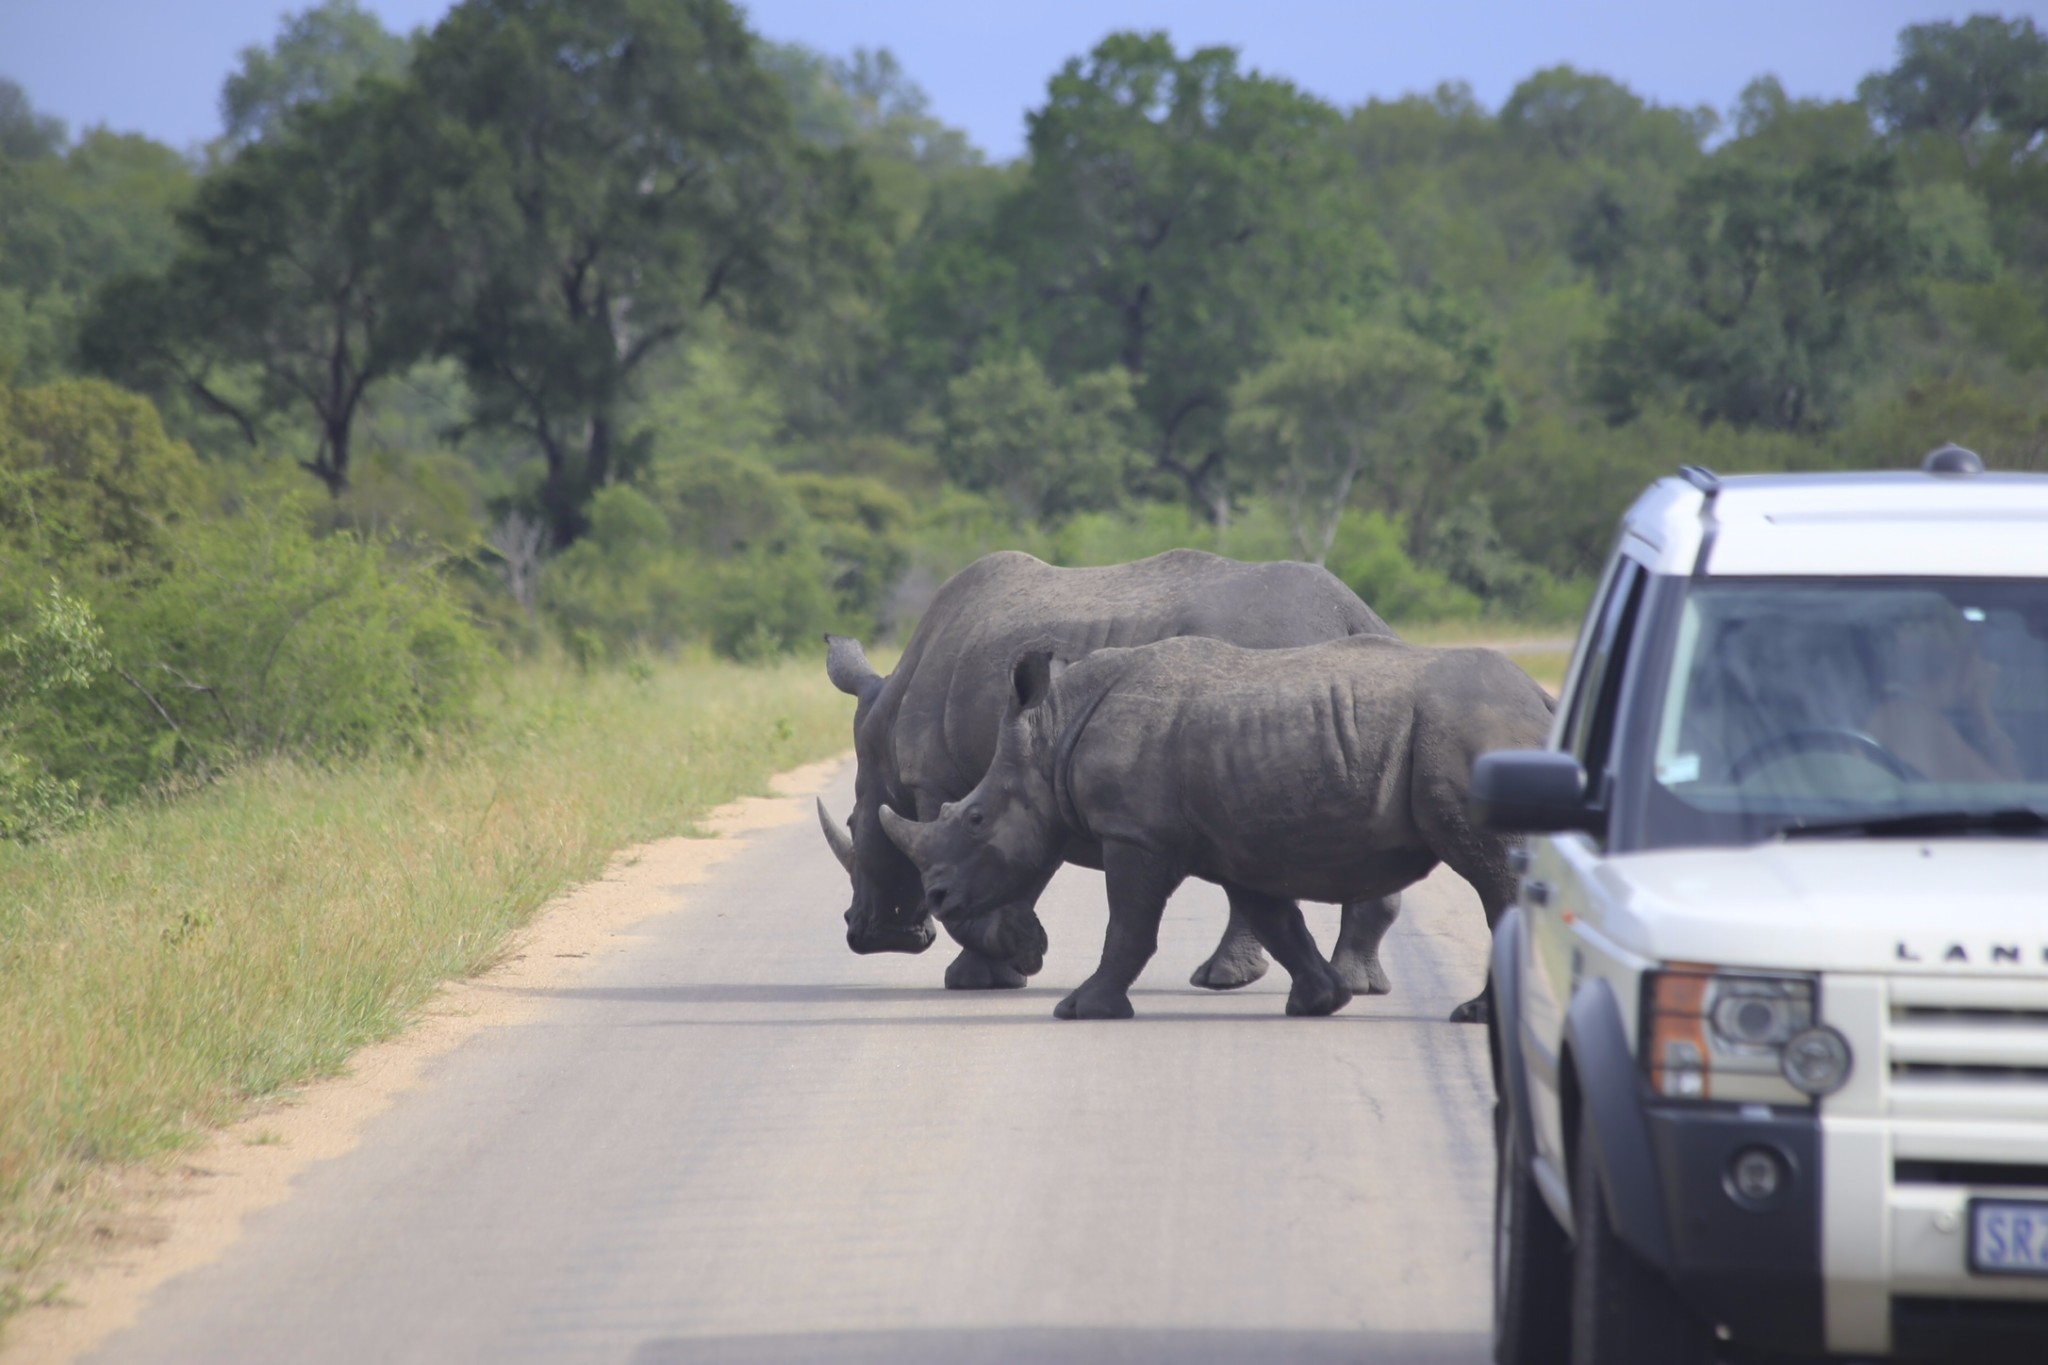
point(60, 651)
point(721, 548)
point(180, 642)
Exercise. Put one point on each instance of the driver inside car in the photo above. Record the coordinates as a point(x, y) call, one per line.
point(1936, 713)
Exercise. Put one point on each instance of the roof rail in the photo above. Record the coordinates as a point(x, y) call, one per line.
point(1701, 477)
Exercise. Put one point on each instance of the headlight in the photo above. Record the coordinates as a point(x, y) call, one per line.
point(1733, 1036)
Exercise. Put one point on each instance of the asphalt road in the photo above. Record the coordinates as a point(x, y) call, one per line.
point(739, 1142)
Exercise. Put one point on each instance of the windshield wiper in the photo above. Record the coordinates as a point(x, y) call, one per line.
point(2008, 820)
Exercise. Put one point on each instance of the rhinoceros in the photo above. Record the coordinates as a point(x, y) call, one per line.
point(1333, 772)
point(925, 734)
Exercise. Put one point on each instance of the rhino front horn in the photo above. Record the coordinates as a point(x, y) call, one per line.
point(837, 837)
point(907, 835)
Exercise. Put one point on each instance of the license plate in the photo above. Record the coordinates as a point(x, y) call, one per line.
point(2008, 1237)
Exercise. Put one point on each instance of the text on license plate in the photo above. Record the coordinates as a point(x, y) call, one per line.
point(2008, 1238)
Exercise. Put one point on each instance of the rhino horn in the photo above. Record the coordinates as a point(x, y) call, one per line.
point(846, 664)
point(836, 835)
point(907, 835)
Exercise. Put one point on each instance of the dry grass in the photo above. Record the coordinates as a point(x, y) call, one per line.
point(1543, 651)
point(165, 966)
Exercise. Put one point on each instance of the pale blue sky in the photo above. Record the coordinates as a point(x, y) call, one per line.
point(157, 65)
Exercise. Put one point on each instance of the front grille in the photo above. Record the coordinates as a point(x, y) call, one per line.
point(1968, 1047)
point(1952, 1071)
point(1983, 1174)
point(1995, 1018)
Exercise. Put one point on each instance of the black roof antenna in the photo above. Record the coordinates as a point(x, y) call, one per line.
point(1953, 460)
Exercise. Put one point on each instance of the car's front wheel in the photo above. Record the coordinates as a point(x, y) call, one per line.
point(1531, 1258)
point(1623, 1311)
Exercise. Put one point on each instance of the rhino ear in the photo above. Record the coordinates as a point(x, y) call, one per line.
point(846, 664)
point(1031, 677)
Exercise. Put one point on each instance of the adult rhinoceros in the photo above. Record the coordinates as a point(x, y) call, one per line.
point(925, 734)
point(1333, 772)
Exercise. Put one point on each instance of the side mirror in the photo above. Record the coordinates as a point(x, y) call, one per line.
point(1530, 791)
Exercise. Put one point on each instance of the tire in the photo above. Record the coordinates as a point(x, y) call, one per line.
point(1532, 1272)
point(1623, 1311)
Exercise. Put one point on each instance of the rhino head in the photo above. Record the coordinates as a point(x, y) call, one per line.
point(887, 914)
point(1002, 841)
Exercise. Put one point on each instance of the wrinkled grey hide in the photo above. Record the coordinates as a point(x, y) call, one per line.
point(925, 734)
point(1336, 772)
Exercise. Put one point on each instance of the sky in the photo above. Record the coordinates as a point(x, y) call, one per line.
point(156, 66)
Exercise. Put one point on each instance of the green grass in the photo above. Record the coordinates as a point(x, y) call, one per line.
point(171, 962)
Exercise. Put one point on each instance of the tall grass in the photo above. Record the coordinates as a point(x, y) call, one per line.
point(173, 960)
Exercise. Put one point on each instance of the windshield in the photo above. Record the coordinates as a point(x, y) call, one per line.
point(1798, 703)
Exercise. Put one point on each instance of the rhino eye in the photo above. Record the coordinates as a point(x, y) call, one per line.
point(974, 817)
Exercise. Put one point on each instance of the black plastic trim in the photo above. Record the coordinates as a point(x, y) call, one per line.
point(1612, 1092)
point(1981, 1331)
point(1510, 1074)
point(1751, 1266)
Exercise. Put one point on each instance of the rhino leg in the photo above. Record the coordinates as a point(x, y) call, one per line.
point(997, 950)
point(1237, 961)
point(972, 972)
point(1277, 921)
point(1138, 883)
point(1477, 856)
point(1357, 957)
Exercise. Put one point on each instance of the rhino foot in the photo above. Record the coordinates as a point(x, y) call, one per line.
point(1473, 1011)
point(1226, 970)
point(1363, 976)
point(1314, 996)
point(1100, 1005)
point(972, 972)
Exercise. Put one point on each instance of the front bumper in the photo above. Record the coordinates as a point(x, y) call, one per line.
point(1896, 1249)
point(1751, 1268)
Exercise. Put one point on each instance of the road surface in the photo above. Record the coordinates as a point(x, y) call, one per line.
point(739, 1142)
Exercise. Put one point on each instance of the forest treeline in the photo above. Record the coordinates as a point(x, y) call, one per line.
point(612, 324)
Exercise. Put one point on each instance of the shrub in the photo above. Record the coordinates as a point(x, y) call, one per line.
point(60, 652)
point(260, 638)
point(87, 475)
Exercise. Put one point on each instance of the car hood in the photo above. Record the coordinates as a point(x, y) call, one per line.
point(1976, 905)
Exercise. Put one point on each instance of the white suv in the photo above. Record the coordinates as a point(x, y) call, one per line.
point(1771, 1016)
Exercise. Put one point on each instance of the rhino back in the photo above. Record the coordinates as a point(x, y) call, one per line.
point(944, 702)
point(1246, 761)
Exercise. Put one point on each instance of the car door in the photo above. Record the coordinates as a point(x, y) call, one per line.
point(1555, 893)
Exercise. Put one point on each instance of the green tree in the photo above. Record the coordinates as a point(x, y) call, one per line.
point(1754, 306)
point(73, 217)
point(1051, 450)
point(319, 55)
point(305, 263)
point(1177, 217)
point(1575, 115)
point(1964, 81)
point(614, 171)
point(25, 134)
point(1375, 407)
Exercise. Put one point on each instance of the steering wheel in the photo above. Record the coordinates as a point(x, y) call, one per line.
point(1823, 739)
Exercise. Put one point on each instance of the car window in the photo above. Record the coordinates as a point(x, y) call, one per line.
point(1591, 733)
point(1796, 701)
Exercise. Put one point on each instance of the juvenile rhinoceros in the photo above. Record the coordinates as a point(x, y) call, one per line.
point(925, 734)
point(1334, 772)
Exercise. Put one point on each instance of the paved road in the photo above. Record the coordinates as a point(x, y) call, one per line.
point(739, 1142)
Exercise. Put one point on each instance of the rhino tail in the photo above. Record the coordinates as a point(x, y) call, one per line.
point(846, 664)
